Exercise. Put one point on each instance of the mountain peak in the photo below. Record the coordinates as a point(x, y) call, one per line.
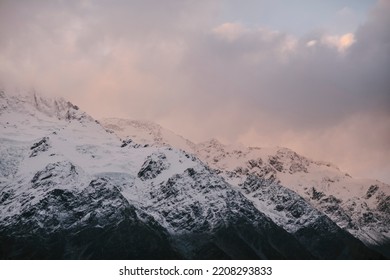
point(213, 143)
point(31, 103)
point(120, 124)
point(147, 132)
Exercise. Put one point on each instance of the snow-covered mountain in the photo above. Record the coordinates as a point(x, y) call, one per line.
point(273, 178)
point(361, 206)
point(72, 188)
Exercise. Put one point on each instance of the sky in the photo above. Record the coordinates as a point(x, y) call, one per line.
point(310, 75)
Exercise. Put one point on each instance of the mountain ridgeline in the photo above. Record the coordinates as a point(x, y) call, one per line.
point(72, 187)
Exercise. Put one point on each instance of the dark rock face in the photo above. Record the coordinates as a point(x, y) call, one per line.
point(241, 239)
point(384, 204)
point(40, 146)
point(383, 249)
point(153, 166)
point(314, 230)
point(203, 218)
point(326, 241)
point(371, 191)
point(97, 223)
point(286, 160)
point(210, 220)
point(276, 163)
point(131, 144)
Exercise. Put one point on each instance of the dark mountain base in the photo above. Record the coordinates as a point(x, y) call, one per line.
point(337, 246)
point(383, 249)
point(127, 240)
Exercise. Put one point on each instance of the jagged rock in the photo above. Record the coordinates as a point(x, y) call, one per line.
point(371, 191)
point(276, 163)
point(40, 146)
point(153, 166)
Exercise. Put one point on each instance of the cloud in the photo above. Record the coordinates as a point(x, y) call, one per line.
point(311, 43)
point(230, 31)
point(330, 101)
point(174, 62)
point(341, 43)
point(345, 12)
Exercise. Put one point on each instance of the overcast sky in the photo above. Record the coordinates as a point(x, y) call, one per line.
point(310, 75)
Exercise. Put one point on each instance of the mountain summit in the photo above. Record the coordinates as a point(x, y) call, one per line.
point(75, 188)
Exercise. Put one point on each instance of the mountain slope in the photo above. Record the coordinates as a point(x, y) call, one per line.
point(70, 188)
point(360, 206)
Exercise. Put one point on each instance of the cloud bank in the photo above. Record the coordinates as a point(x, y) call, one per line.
point(324, 94)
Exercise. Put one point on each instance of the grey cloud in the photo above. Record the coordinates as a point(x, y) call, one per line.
point(316, 86)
